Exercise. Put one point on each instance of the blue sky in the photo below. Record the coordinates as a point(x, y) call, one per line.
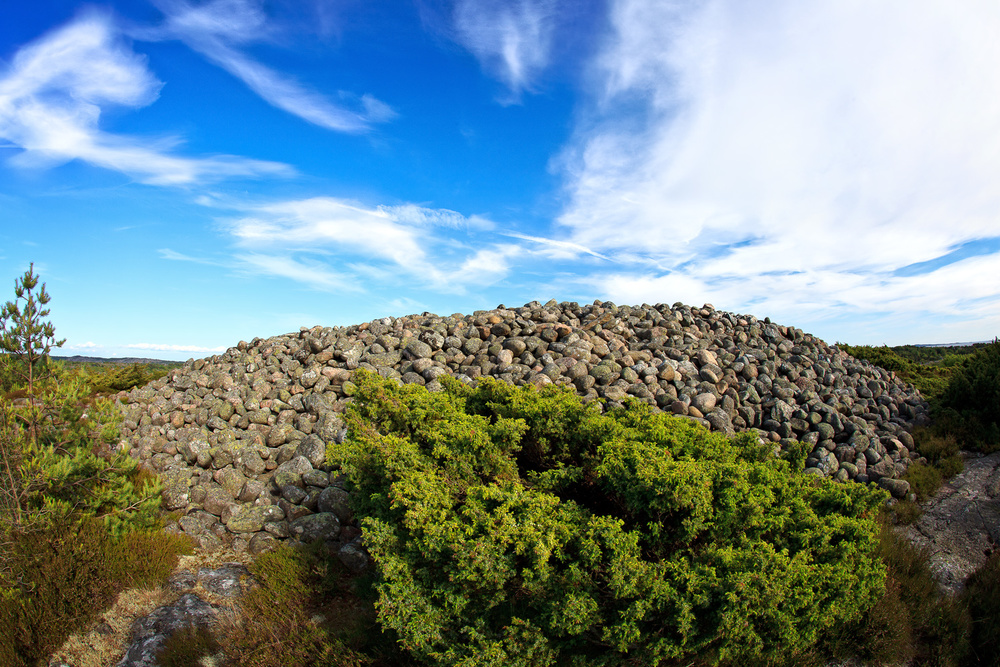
point(187, 174)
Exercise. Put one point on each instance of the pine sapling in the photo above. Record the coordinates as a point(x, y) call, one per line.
point(26, 340)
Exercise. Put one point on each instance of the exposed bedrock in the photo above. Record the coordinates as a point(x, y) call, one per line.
point(240, 438)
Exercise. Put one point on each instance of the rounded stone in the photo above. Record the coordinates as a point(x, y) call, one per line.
point(321, 526)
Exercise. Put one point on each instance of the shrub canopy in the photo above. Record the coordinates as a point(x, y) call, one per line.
point(971, 403)
point(515, 526)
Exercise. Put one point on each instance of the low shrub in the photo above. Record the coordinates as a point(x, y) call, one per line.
point(913, 622)
point(924, 479)
point(982, 598)
point(278, 625)
point(65, 572)
point(904, 512)
point(521, 527)
point(970, 406)
point(935, 445)
point(109, 379)
point(943, 461)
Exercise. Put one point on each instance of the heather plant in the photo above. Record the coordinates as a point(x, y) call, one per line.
point(982, 599)
point(913, 622)
point(278, 624)
point(66, 572)
point(518, 526)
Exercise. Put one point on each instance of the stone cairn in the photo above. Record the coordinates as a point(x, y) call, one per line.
point(239, 439)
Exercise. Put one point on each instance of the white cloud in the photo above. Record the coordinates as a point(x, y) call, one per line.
point(309, 272)
point(787, 155)
point(300, 239)
point(511, 40)
point(214, 29)
point(173, 348)
point(53, 94)
point(557, 249)
point(88, 345)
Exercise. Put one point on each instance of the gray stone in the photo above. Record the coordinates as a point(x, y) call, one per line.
point(249, 461)
point(353, 557)
point(720, 421)
point(262, 543)
point(279, 435)
point(704, 403)
point(335, 500)
point(291, 472)
point(316, 478)
point(231, 480)
point(227, 580)
point(247, 519)
point(217, 500)
point(313, 449)
point(175, 494)
point(149, 634)
point(603, 374)
point(293, 494)
point(899, 488)
point(251, 491)
point(417, 349)
point(322, 526)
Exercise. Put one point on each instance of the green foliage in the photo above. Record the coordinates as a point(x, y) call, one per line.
point(970, 407)
point(70, 470)
point(521, 527)
point(912, 623)
point(924, 480)
point(77, 520)
point(940, 355)
point(108, 379)
point(25, 337)
point(67, 572)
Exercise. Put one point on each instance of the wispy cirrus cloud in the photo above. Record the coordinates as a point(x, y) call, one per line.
point(217, 29)
point(788, 157)
point(306, 270)
point(511, 40)
point(329, 243)
point(56, 88)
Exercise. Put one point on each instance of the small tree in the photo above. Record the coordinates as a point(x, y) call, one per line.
point(26, 339)
point(25, 343)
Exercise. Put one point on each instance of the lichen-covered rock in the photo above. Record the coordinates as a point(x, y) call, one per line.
point(247, 519)
point(336, 500)
point(322, 526)
point(150, 634)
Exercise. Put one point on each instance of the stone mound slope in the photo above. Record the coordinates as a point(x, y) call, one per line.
point(239, 438)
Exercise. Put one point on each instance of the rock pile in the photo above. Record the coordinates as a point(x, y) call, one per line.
point(240, 438)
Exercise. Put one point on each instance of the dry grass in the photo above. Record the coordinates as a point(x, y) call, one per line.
point(105, 641)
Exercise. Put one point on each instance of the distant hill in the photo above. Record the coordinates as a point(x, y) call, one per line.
point(977, 342)
point(116, 360)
